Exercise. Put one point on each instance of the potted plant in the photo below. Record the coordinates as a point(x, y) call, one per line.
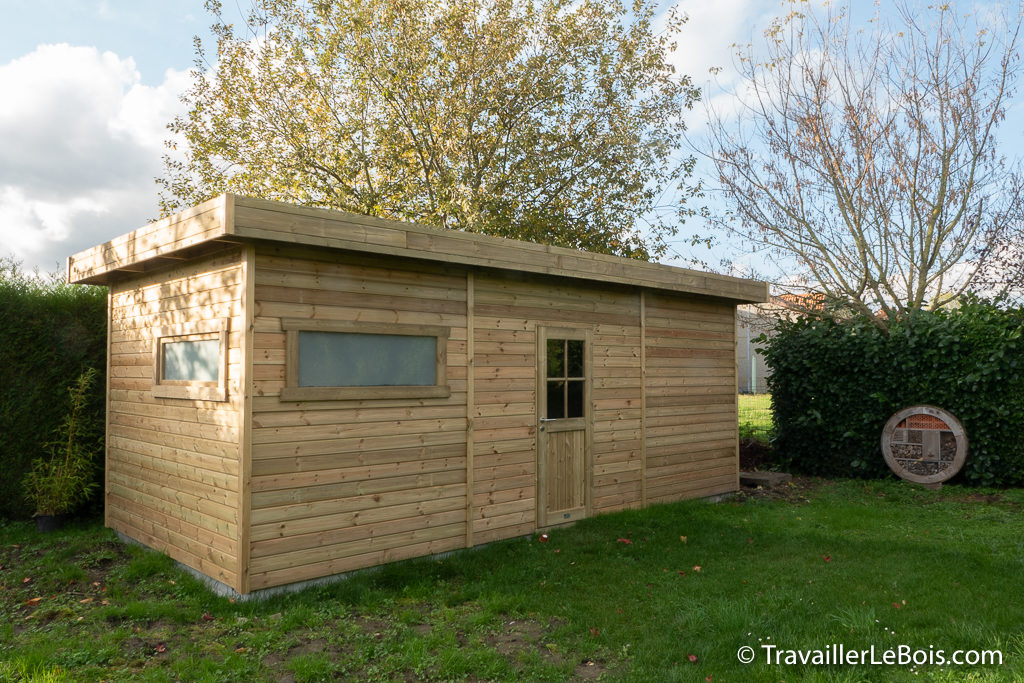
point(57, 484)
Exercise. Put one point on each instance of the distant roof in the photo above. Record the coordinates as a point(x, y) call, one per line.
point(235, 219)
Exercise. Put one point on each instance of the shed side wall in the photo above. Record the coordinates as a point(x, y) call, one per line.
point(508, 308)
point(173, 464)
point(691, 398)
point(340, 485)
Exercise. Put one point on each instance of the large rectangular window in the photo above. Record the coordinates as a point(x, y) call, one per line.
point(333, 360)
point(190, 361)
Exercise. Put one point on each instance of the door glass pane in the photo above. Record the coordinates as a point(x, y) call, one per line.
point(574, 391)
point(574, 358)
point(343, 359)
point(556, 358)
point(556, 399)
point(192, 361)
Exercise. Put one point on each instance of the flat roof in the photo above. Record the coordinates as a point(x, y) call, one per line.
point(235, 219)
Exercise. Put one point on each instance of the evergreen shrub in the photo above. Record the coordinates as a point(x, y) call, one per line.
point(50, 333)
point(834, 384)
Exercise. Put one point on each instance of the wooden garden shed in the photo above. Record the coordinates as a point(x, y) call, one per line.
point(295, 393)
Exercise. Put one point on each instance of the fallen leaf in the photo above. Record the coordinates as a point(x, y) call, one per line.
point(172, 582)
point(96, 584)
point(84, 601)
point(692, 658)
point(208, 617)
point(896, 605)
point(709, 677)
point(683, 539)
point(241, 650)
point(624, 540)
point(27, 579)
point(680, 572)
point(696, 567)
point(161, 648)
point(594, 631)
point(827, 558)
point(35, 601)
point(104, 602)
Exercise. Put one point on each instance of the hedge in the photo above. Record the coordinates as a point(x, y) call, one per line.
point(50, 332)
point(834, 385)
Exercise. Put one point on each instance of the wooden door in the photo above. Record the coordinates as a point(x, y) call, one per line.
point(564, 416)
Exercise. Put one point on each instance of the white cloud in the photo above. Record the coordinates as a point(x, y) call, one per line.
point(80, 142)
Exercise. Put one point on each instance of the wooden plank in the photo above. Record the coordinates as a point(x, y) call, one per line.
point(360, 498)
point(318, 545)
point(471, 359)
point(361, 473)
point(269, 579)
point(350, 445)
point(358, 546)
point(369, 512)
point(331, 492)
point(360, 458)
point(245, 416)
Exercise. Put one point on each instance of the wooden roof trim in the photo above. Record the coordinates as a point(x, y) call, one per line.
point(162, 238)
point(242, 218)
point(275, 221)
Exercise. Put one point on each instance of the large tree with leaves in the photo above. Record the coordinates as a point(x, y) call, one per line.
point(865, 158)
point(554, 121)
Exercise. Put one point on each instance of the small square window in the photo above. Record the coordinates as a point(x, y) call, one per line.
point(190, 361)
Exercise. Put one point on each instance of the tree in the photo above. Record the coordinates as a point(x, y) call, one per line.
point(549, 120)
point(865, 162)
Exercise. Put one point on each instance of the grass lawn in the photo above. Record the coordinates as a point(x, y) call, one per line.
point(755, 416)
point(670, 593)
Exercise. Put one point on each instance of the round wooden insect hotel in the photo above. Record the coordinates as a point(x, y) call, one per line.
point(925, 445)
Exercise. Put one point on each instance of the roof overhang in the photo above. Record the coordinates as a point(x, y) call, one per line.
point(234, 219)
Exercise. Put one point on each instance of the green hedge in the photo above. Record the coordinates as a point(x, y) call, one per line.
point(835, 384)
point(50, 332)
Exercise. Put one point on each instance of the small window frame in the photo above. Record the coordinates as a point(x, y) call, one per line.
point(202, 330)
point(293, 392)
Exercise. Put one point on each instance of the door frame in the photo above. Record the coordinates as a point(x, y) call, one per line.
point(545, 426)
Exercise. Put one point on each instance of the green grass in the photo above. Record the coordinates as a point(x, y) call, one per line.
point(859, 564)
point(755, 417)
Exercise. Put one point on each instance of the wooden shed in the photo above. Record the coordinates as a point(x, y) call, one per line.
point(295, 393)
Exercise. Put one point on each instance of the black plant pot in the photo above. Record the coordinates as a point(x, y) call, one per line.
point(48, 523)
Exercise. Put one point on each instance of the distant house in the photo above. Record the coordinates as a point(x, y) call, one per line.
point(753, 320)
point(295, 393)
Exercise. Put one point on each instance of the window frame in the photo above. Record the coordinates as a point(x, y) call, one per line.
point(293, 392)
point(194, 390)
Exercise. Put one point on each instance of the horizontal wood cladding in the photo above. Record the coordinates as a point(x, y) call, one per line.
point(690, 436)
point(508, 309)
point(173, 465)
point(343, 484)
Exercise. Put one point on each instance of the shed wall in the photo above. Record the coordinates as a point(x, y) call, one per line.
point(173, 466)
point(339, 485)
point(507, 311)
point(691, 433)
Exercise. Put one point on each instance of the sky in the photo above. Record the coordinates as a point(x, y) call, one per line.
point(89, 86)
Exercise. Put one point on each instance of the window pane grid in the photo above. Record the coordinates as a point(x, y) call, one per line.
point(565, 378)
